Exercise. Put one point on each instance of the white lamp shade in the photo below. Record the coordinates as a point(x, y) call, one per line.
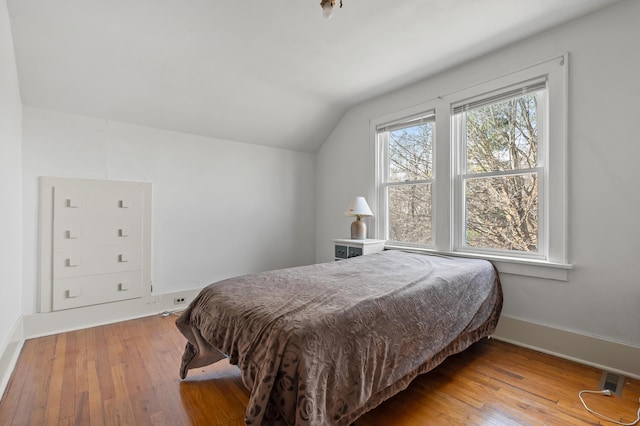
point(358, 207)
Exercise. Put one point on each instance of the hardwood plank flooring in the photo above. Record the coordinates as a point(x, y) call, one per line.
point(127, 374)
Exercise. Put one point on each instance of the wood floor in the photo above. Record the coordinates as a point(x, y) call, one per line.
point(127, 374)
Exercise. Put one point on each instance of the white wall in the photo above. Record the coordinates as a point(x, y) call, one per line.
point(602, 296)
point(10, 183)
point(220, 208)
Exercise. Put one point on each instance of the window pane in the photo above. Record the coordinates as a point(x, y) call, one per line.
point(410, 213)
point(503, 136)
point(410, 153)
point(502, 213)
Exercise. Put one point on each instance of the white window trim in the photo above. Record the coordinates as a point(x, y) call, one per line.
point(555, 180)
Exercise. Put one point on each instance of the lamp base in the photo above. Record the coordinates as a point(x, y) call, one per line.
point(358, 230)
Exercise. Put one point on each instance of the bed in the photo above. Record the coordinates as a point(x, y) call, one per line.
point(322, 344)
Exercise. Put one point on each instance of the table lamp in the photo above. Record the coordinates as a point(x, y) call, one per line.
point(358, 208)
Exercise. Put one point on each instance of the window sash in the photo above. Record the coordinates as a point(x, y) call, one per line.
point(461, 211)
point(500, 173)
point(459, 136)
point(387, 187)
point(385, 183)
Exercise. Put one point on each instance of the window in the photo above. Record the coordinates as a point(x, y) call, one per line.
point(498, 138)
point(407, 179)
point(480, 172)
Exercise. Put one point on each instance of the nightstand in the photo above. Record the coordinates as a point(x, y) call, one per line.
point(346, 248)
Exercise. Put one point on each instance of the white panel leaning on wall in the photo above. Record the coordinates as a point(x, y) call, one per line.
point(95, 242)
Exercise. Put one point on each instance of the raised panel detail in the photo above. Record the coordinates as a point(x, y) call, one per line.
point(102, 202)
point(92, 232)
point(75, 292)
point(95, 242)
point(95, 260)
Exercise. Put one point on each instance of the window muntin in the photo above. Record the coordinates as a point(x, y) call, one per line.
point(499, 139)
point(408, 179)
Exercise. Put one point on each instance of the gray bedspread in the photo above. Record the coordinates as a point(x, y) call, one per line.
point(322, 344)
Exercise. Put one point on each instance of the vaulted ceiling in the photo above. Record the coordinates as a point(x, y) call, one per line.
point(270, 72)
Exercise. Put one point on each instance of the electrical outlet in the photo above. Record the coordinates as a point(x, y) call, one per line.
point(178, 300)
point(612, 382)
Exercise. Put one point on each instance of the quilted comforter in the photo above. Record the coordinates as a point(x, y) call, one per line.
point(322, 344)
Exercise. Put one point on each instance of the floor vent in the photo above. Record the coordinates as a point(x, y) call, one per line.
point(612, 381)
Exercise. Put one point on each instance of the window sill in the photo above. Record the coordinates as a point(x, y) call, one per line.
point(506, 265)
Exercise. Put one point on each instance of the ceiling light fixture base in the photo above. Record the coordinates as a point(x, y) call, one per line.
point(327, 7)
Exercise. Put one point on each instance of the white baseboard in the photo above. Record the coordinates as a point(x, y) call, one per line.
point(596, 352)
point(602, 354)
point(48, 323)
point(9, 353)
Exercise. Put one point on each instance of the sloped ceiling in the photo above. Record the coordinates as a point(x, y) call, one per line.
point(270, 72)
